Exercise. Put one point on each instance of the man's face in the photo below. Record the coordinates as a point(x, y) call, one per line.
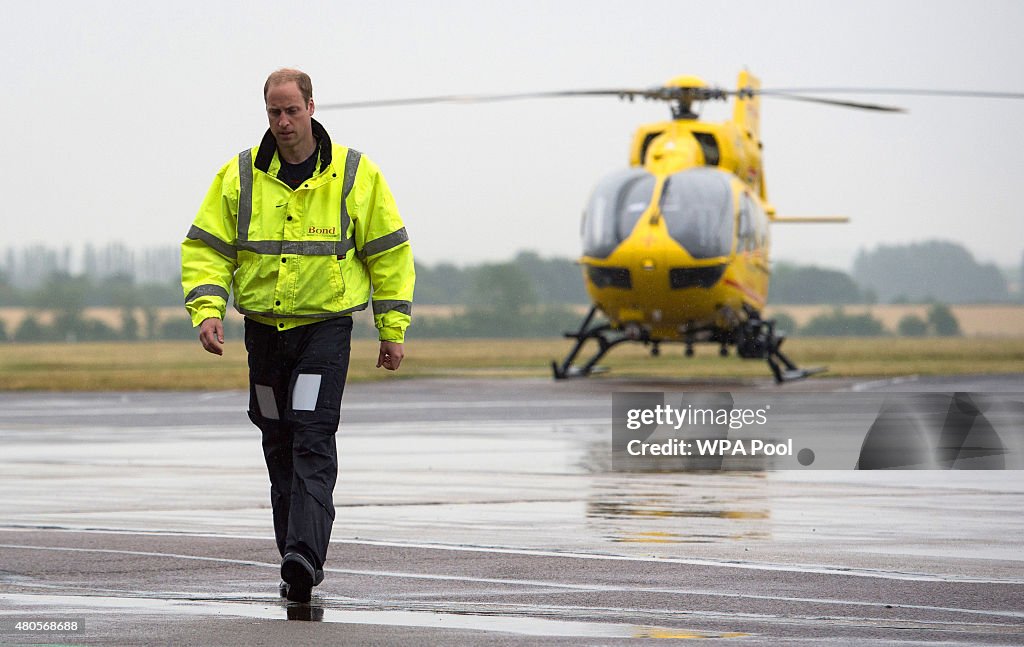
point(289, 115)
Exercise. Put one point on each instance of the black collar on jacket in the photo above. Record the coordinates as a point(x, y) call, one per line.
point(269, 146)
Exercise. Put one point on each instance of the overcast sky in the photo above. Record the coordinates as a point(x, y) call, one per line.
point(117, 114)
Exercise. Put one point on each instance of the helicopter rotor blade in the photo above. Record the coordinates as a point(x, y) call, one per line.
point(797, 94)
point(625, 93)
point(685, 94)
point(924, 92)
point(833, 102)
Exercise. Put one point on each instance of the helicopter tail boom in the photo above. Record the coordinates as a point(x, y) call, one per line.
point(811, 219)
point(747, 110)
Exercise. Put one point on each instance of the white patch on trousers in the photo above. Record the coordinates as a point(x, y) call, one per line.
point(306, 392)
point(266, 402)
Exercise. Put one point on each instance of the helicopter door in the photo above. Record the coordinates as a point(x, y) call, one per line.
point(698, 211)
point(614, 208)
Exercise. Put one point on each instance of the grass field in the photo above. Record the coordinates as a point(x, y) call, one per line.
point(133, 366)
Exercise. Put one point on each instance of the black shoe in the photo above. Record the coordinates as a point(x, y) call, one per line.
point(299, 574)
point(282, 588)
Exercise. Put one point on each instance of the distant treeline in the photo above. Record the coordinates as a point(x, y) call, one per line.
point(527, 279)
point(918, 273)
point(930, 271)
point(938, 322)
point(528, 295)
point(926, 272)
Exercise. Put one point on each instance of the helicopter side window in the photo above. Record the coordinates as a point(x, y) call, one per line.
point(647, 144)
point(698, 211)
point(753, 233)
point(614, 209)
point(747, 235)
point(709, 146)
point(763, 235)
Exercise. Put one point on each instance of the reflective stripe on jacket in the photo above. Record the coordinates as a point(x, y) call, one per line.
point(294, 257)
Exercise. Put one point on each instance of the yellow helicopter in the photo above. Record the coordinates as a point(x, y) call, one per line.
point(676, 246)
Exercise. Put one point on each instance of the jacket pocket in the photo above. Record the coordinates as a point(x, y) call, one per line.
point(244, 293)
point(338, 283)
point(319, 287)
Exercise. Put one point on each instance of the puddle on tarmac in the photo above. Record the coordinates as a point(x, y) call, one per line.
point(640, 509)
point(658, 537)
point(677, 517)
point(279, 610)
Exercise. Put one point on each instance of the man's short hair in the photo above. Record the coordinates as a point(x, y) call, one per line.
point(285, 75)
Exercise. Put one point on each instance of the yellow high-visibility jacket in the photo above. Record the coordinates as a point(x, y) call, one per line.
point(295, 257)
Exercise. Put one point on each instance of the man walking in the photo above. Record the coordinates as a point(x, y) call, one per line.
point(301, 230)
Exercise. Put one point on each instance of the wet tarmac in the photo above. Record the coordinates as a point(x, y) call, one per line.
point(485, 512)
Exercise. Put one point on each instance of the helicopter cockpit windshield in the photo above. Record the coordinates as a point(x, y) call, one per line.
point(698, 210)
point(615, 207)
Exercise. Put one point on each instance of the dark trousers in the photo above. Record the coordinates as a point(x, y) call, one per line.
point(296, 380)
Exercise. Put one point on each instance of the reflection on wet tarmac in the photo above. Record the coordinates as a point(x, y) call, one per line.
point(305, 612)
point(611, 510)
point(675, 509)
point(661, 516)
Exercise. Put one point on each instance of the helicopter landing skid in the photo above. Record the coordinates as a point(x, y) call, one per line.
point(606, 339)
point(791, 373)
point(759, 341)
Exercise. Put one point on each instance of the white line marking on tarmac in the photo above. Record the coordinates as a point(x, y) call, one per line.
point(110, 408)
point(501, 550)
point(874, 384)
point(792, 568)
point(756, 566)
point(521, 582)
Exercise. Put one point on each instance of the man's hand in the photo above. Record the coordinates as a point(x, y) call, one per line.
point(391, 354)
point(211, 335)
